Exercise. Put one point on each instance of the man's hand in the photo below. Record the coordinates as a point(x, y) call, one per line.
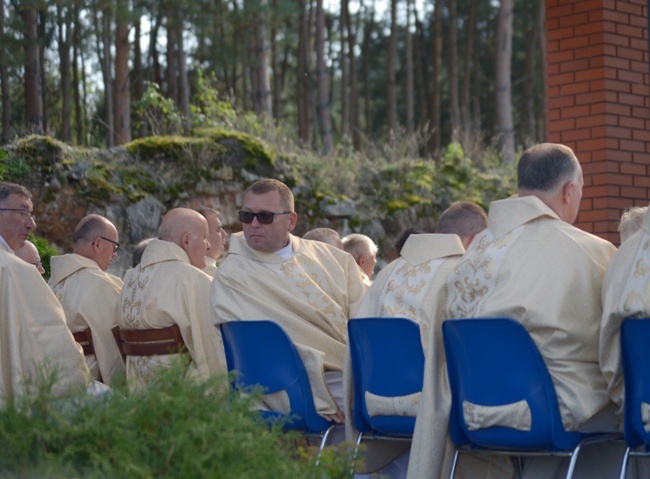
point(338, 417)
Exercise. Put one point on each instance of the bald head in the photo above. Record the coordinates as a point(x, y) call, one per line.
point(189, 230)
point(324, 235)
point(96, 238)
point(29, 253)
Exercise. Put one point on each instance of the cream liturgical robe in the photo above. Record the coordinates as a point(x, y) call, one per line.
point(414, 286)
point(626, 294)
point(311, 295)
point(531, 266)
point(90, 299)
point(33, 333)
point(165, 289)
point(210, 266)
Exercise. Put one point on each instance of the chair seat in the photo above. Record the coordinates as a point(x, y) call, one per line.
point(495, 362)
point(261, 354)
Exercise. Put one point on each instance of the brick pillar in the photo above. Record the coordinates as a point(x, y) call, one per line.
point(598, 102)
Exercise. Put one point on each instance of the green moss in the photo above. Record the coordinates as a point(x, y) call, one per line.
point(156, 148)
point(252, 146)
point(395, 205)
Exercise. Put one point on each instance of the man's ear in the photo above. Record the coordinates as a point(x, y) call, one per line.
point(185, 241)
point(568, 192)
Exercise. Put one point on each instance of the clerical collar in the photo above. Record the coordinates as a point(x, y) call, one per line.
point(286, 252)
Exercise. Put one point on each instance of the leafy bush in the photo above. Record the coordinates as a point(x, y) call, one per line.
point(174, 429)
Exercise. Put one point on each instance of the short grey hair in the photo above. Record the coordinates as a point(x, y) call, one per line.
point(631, 221)
point(546, 167)
point(357, 245)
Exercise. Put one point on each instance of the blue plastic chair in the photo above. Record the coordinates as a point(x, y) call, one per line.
point(387, 360)
point(494, 362)
point(635, 355)
point(262, 354)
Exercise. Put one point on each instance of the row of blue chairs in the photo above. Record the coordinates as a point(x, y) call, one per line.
point(490, 361)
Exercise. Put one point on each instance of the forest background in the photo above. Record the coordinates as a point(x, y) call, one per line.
point(396, 104)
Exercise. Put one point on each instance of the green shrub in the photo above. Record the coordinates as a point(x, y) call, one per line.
point(175, 429)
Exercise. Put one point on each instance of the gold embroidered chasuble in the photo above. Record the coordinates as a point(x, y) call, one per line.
point(531, 266)
point(311, 295)
point(162, 290)
point(413, 286)
point(33, 332)
point(626, 294)
point(90, 299)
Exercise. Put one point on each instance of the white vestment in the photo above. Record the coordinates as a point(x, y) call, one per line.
point(165, 289)
point(414, 286)
point(531, 266)
point(90, 299)
point(33, 333)
point(626, 294)
point(311, 295)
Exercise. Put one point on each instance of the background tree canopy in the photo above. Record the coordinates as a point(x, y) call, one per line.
point(448, 70)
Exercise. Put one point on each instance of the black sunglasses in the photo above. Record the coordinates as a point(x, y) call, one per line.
point(264, 218)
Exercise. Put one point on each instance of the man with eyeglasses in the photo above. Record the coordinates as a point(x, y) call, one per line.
point(167, 288)
point(310, 288)
point(216, 236)
point(35, 338)
point(29, 253)
point(90, 296)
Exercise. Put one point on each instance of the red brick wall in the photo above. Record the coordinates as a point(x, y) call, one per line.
point(598, 102)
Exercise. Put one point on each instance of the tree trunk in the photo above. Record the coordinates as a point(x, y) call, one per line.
point(541, 28)
point(303, 90)
point(365, 67)
point(138, 70)
point(172, 58)
point(527, 133)
point(435, 141)
point(391, 82)
point(42, 37)
point(4, 81)
point(423, 78)
point(468, 62)
point(410, 98)
point(64, 25)
point(33, 85)
point(452, 62)
point(184, 83)
point(156, 69)
point(76, 80)
point(103, 36)
point(503, 84)
point(323, 81)
point(354, 83)
point(261, 84)
point(345, 102)
point(122, 127)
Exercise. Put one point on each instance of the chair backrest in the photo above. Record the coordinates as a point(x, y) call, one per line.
point(262, 354)
point(387, 360)
point(494, 362)
point(149, 342)
point(635, 355)
point(85, 339)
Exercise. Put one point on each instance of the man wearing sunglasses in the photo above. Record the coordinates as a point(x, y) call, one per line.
point(35, 337)
point(310, 288)
point(90, 296)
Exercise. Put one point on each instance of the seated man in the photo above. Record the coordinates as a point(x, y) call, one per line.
point(35, 338)
point(364, 251)
point(89, 295)
point(325, 235)
point(29, 253)
point(532, 265)
point(308, 287)
point(414, 286)
point(625, 295)
point(168, 287)
point(631, 221)
point(217, 238)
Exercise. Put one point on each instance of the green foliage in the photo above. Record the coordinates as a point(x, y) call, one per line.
point(45, 251)
point(157, 112)
point(176, 428)
point(207, 109)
